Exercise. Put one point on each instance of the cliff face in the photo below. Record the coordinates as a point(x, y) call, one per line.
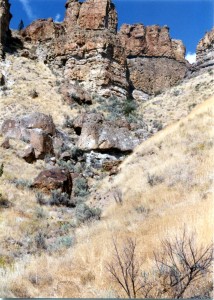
point(205, 50)
point(155, 61)
point(5, 17)
point(86, 48)
point(92, 14)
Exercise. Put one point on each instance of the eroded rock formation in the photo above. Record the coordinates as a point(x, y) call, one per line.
point(5, 17)
point(205, 50)
point(155, 61)
point(92, 14)
point(86, 48)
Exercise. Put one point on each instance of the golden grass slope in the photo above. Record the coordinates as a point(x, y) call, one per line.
point(167, 182)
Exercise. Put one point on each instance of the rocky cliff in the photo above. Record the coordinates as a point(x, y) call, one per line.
point(87, 49)
point(155, 61)
point(205, 50)
point(5, 17)
point(91, 57)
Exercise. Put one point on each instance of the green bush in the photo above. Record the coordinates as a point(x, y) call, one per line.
point(23, 183)
point(58, 198)
point(80, 187)
point(129, 107)
point(84, 213)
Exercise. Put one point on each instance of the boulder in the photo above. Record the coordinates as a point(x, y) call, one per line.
point(41, 142)
point(20, 127)
point(39, 121)
point(42, 30)
point(54, 179)
point(97, 133)
point(28, 154)
point(36, 129)
point(65, 156)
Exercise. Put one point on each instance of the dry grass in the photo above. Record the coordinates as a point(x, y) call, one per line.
point(24, 76)
point(178, 191)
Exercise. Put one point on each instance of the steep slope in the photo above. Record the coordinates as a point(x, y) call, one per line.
point(166, 183)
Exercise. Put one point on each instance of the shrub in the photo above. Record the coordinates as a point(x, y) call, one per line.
point(40, 240)
point(23, 183)
point(40, 199)
point(61, 242)
point(176, 93)
point(68, 123)
point(84, 213)
point(58, 198)
point(129, 107)
point(154, 179)
point(40, 213)
point(178, 266)
point(80, 187)
point(158, 125)
point(76, 153)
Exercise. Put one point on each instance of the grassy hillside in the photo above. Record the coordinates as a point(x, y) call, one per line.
point(165, 184)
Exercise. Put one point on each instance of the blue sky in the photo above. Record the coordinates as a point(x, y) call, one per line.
point(188, 19)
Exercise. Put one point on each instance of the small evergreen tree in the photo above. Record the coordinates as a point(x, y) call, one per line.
point(21, 25)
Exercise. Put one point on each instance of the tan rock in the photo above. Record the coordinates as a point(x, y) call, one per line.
point(96, 133)
point(28, 154)
point(41, 142)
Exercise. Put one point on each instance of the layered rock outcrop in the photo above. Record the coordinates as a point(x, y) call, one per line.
point(87, 49)
point(205, 50)
point(5, 17)
point(155, 61)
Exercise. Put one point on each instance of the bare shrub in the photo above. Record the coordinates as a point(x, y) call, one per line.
point(125, 268)
point(181, 263)
point(178, 266)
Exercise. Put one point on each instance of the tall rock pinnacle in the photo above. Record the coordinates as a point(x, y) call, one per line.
point(92, 14)
point(5, 17)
